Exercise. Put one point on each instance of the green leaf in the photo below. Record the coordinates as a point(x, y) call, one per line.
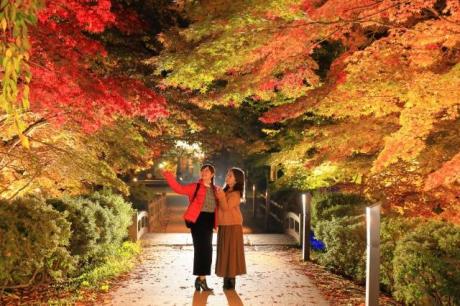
point(3, 4)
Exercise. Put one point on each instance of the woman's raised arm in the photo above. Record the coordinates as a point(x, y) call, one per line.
point(175, 186)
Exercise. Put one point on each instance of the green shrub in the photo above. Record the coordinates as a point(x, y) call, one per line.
point(99, 224)
point(105, 224)
point(345, 240)
point(81, 213)
point(392, 231)
point(427, 265)
point(33, 239)
point(120, 261)
point(121, 213)
point(326, 206)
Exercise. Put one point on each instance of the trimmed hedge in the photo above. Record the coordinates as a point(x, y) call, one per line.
point(327, 205)
point(427, 265)
point(86, 231)
point(99, 224)
point(60, 238)
point(420, 258)
point(345, 240)
point(119, 211)
point(34, 239)
point(392, 230)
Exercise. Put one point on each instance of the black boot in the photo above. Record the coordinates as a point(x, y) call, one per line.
point(201, 284)
point(226, 283)
point(231, 283)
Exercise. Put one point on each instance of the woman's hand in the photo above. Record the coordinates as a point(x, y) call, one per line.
point(168, 166)
point(220, 192)
point(164, 173)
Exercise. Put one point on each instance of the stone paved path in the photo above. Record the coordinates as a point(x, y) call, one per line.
point(164, 276)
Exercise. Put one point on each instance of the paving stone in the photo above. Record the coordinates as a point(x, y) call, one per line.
point(164, 276)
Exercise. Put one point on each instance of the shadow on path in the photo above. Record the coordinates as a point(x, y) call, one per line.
point(164, 276)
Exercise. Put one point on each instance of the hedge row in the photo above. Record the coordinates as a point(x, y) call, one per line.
point(59, 238)
point(420, 259)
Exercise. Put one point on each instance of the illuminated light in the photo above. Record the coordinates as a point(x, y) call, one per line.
point(372, 254)
point(194, 148)
point(304, 229)
point(135, 179)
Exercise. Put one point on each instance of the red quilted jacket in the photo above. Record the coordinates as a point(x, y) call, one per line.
point(194, 208)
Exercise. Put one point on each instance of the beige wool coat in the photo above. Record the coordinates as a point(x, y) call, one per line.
point(228, 208)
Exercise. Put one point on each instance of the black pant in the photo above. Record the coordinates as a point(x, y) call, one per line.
point(202, 243)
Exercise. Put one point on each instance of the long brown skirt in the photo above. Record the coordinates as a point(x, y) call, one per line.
point(230, 251)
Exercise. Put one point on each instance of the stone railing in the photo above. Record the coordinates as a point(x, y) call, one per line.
point(149, 221)
point(139, 225)
point(157, 212)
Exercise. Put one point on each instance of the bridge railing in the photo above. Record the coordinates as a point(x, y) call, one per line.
point(292, 225)
point(139, 225)
point(157, 211)
point(298, 226)
point(276, 215)
point(147, 221)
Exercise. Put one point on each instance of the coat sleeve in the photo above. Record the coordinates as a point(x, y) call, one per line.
point(176, 187)
point(230, 200)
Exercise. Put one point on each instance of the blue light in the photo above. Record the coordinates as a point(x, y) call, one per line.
point(316, 245)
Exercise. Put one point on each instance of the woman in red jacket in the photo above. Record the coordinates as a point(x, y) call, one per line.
point(200, 217)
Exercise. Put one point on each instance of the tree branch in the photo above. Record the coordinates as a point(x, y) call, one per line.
point(29, 130)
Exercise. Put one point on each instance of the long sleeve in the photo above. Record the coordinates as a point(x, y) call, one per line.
point(175, 186)
point(229, 201)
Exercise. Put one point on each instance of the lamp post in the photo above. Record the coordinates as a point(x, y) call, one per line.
point(373, 254)
point(306, 220)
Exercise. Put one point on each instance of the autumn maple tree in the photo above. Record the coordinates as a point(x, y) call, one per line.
point(360, 94)
point(80, 118)
point(371, 87)
point(53, 44)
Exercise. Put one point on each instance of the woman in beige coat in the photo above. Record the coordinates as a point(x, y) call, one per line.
point(230, 260)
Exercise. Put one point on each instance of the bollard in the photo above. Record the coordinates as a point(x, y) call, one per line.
point(306, 224)
point(267, 211)
point(373, 254)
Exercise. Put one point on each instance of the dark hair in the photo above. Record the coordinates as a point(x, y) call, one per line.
point(211, 168)
point(239, 180)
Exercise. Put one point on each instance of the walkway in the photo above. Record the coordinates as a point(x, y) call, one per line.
point(164, 276)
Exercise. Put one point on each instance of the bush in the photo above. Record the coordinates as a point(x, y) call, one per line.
point(345, 240)
point(99, 224)
point(392, 230)
point(33, 237)
point(80, 213)
point(120, 261)
point(121, 213)
point(427, 265)
point(326, 206)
